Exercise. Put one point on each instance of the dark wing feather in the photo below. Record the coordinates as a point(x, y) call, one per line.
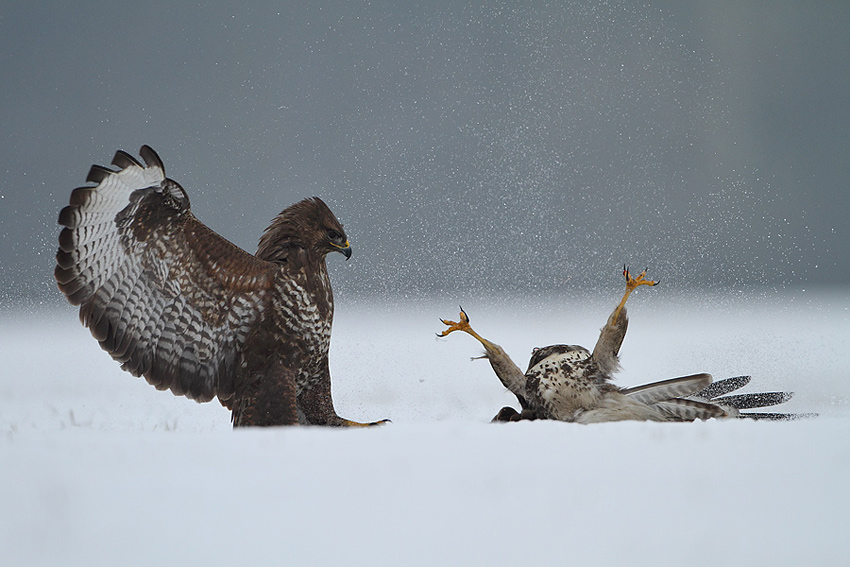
point(776, 416)
point(715, 394)
point(166, 296)
point(755, 400)
point(722, 387)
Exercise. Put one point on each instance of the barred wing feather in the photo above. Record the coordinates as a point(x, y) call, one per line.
point(166, 296)
point(667, 389)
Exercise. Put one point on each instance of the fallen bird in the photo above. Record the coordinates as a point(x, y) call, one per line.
point(569, 383)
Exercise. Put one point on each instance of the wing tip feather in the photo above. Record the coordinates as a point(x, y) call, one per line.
point(97, 173)
point(68, 216)
point(151, 158)
point(754, 400)
point(67, 240)
point(63, 274)
point(123, 160)
point(80, 196)
point(76, 294)
point(64, 260)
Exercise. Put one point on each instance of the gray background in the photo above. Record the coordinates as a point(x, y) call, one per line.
point(469, 150)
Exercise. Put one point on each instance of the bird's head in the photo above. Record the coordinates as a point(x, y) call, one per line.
point(308, 225)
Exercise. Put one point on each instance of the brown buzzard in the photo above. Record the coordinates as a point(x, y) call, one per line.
point(174, 302)
point(569, 383)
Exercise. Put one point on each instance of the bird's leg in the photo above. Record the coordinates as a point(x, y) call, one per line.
point(631, 285)
point(612, 334)
point(508, 372)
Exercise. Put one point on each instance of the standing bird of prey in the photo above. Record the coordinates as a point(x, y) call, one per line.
point(174, 302)
point(569, 383)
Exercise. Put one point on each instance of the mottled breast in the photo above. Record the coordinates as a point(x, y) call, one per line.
point(562, 380)
point(304, 315)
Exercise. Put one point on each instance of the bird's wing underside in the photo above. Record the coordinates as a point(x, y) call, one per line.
point(166, 296)
point(678, 409)
point(667, 389)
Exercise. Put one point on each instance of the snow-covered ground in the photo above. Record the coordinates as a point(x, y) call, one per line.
point(98, 468)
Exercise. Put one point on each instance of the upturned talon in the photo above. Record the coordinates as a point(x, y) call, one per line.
point(462, 325)
point(632, 283)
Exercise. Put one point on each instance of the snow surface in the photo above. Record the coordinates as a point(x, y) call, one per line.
point(98, 468)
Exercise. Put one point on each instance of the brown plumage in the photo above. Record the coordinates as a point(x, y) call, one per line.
point(174, 302)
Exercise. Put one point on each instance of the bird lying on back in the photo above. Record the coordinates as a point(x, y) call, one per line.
point(570, 383)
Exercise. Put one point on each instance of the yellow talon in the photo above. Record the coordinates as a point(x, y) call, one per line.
point(462, 325)
point(631, 285)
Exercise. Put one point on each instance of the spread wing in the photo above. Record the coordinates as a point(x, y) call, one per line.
point(167, 297)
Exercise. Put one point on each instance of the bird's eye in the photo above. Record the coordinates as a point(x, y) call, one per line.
point(334, 235)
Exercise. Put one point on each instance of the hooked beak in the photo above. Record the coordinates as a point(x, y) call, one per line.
point(344, 249)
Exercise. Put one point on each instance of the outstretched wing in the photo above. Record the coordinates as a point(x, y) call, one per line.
point(167, 297)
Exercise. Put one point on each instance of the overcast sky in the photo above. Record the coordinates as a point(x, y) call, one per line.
point(466, 148)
